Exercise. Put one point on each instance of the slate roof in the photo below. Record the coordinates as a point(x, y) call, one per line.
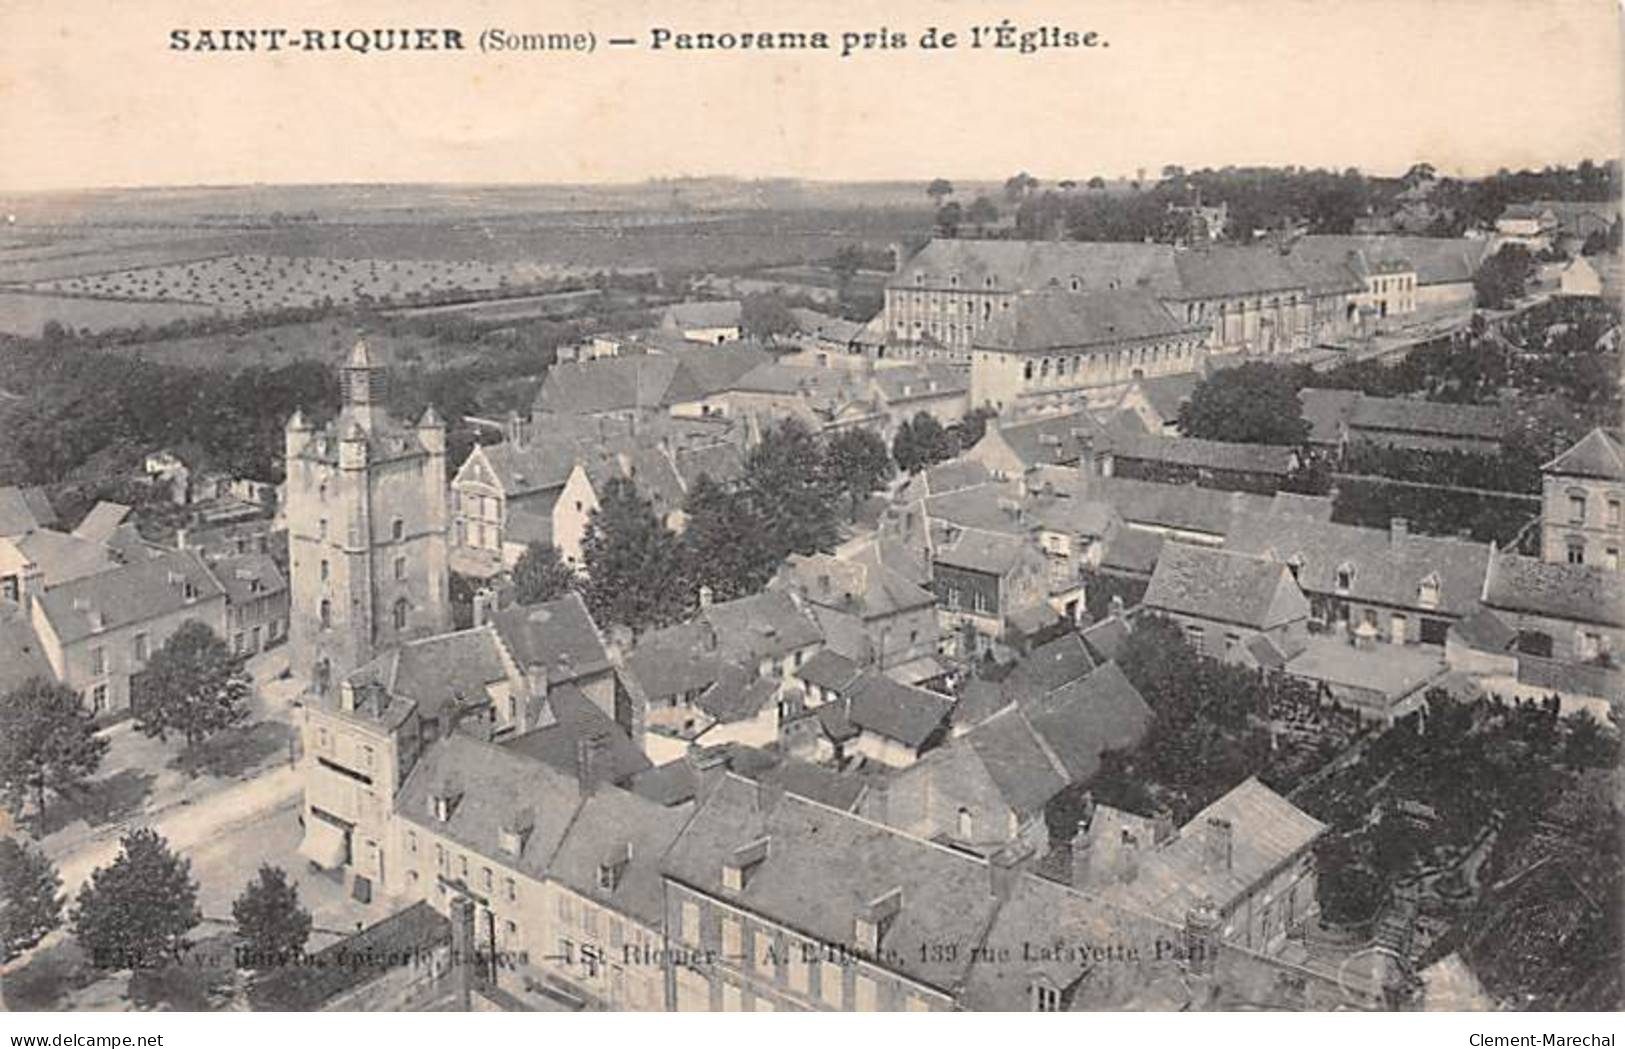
point(1184, 507)
point(861, 583)
point(1436, 260)
point(1485, 631)
point(1106, 638)
point(828, 669)
point(953, 475)
point(1275, 460)
point(558, 635)
point(910, 382)
point(61, 556)
point(446, 670)
point(612, 384)
point(1083, 719)
point(823, 326)
point(1388, 568)
point(1219, 271)
point(1044, 321)
point(1224, 586)
point(127, 594)
point(991, 507)
point(738, 694)
point(723, 463)
point(1405, 415)
point(1026, 773)
point(569, 719)
point(1267, 830)
point(615, 824)
point(1168, 393)
point(1132, 550)
point(1580, 593)
point(103, 518)
point(1052, 438)
point(1016, 265)
point(542, 462)
point(670, 784)
point(705, 314)
point(1296, 504)
point(987, 552)
point(909, 715)
point(1048, 667)
point(16, 514)
point(822, 870)
point(495, 786)
point(769, 623)
point(1598, 454)
point(240, 574)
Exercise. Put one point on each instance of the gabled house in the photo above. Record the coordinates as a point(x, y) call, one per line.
point(1223, 600)
point(1582, 494)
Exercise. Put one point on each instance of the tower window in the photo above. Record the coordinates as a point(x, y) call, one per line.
point(326, 613)
point(397, 530)
point(400, 613)
point(400, 568)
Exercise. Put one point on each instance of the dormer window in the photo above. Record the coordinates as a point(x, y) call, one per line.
point(1345, 576)
point(875, 919)
point(1294, 565)
point(1427, 594)
point(612, 866)
point(953, 280)
point(443, 800)
point(513, 833)
point(742, 863)
point(965, 824)
point(919, 280)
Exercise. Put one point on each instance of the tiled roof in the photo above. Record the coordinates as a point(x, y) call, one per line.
point(823, 869)
point(1221, 271)
point(142, 590)
point(1598, 454)
point(1296, 504)
point(1275, 460)
point(861, 583)
point(1015, 265)
point(1581, 593)
point(1266, 831)
point(492, 787)
point(953, 475)
point(1044, 321)
point(992, 507)
point(452, 669)
point(558, 635)
point(16, 515)
point(540, 463)
point(823, 326)
point(1085, 718)
point(1106, 638)
point(770, 623)
point(1053, 438)
point(628, 835)
point(570, 719)
point(1386, 567)
point(915, 381)
point(1133, 550)
point(1436, 260)
point(610, 384)
point(687, 315)
point(1485, 631)
point(738, 694)
point(828, 669)
point(713, 369)
point(1225, 586)
point(1025, 772)
point(909, 715)
point(675, 660)
point(978, 551)
point(670, 784)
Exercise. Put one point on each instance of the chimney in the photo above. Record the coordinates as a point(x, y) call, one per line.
point(1202, 928)
point(742, 863)
point(1163, 827)
point(706, 595)
point(484, 605)
point(587, 761)
point(1117, 607)
point(517, 430)
point(1220, 836)
point(1398, 529)
point(1128, 858)
point(464, 968)
point(1082, 855)
point(1003, 868)
point(180, 539)
point(347, 697)
point(874, 918)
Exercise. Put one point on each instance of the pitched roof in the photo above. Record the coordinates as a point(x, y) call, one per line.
point(978, 551)
point(1051, 439)
point(492, 787)
point(1581, 593)
point(1225, 586)
point(558, 635)
point(1297, 504)
point(1085, 718)
point(1219, 270)
point(1276, 460)
point(1132, 550)
point(822, 870)
point(16, 514)
point(1060, 320)
point(1106, 638)
point(1048, 667)
point(954, 475)
point(612, 851)
point(1016, 758)
point(1166, 394)
point(1183, 507)
point(770, 623)
point(61, 556)
point(104, 517)
point(673, 783)
point(1485, 631)
point(823, 326)
point(569, 720)
point(828, 669)
point(1017, 265)
point(1406, 415)
point(540, 463)
point(610, 384)
point(909, 715)
point(1393, 672)
point(704, 314)
point(738, 694)
point(722, 462)
point(248, 577)
point(861, 583)
point(144, 589)
point(1266, 831)
point(1598, 454)
point(445, 670)
point(1436, 260)
point(1385, 566)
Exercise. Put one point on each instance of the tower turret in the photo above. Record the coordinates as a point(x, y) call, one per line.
point(361, 386)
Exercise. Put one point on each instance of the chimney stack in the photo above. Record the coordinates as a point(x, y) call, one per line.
point(1202, 928)
point(1003, 868)
point(1082, 855)
point(347, 697)
point(1398, 529)
point(464, 967)
point(1128, 858)
point(484, 605)
point(587, 762)
point(1220, 843)
point(1163, 826)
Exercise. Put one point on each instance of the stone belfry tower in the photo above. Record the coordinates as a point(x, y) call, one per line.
point(367, 523)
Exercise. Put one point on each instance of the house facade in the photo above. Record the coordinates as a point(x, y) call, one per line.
point(1582, 492)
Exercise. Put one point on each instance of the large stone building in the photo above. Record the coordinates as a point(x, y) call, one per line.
point(1581, 521)
point(366, 513)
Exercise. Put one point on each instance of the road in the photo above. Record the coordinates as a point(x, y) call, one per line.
point(187, 826)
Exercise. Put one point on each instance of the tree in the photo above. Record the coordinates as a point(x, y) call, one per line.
point(792, 491)
point(135, 912)
point(1253, 403)
point(766, 316)
point(846, 264)
point(939, 190)
point(1504, 277)
point(1097, 182)
point(725, 544)
point(1019, 186)
point(982, 212)
point(47, 743)
point(949, 217)
point(30, 897)
point(272, 927)
point(541, 575)
point(633, 562)
point(922, 442)
point(859, 464)
point(194, 685)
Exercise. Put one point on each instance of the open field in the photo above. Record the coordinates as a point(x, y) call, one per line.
point(26, 314)
point(327, 340)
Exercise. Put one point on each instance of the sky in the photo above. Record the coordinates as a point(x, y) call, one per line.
point(92, 95)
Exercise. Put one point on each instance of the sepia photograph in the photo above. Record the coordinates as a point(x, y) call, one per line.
point(714, 507)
